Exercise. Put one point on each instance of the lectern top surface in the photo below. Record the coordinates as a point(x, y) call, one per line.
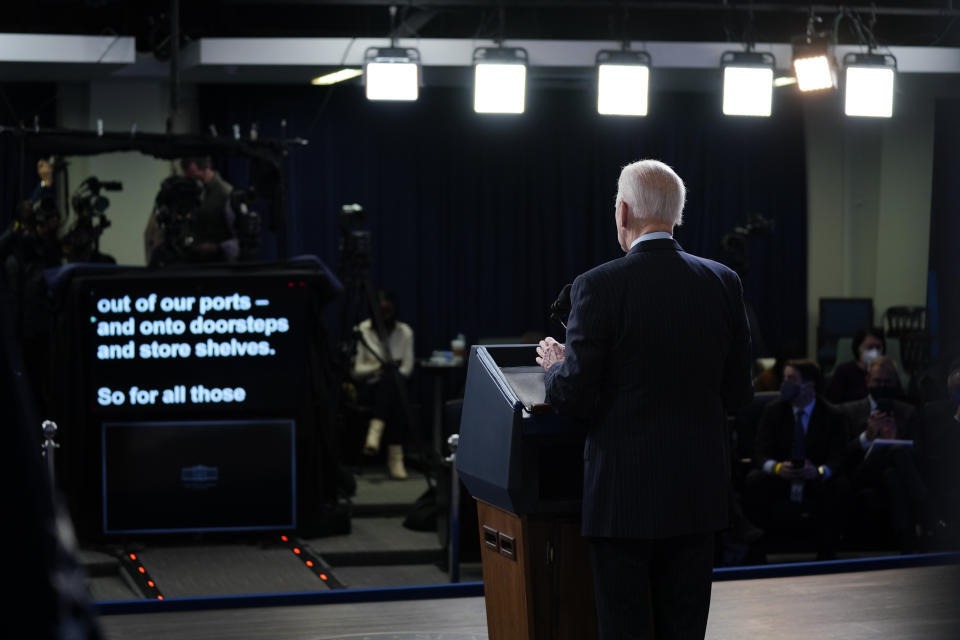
point(527, 383)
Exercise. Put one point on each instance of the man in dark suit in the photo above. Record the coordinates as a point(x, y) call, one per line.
point(941, 451)
point(801, 441)
point(886, 478)
point(657, 352)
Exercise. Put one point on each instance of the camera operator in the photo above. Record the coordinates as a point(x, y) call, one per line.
point(212, 230)
point(206, 232)
point(44, 188)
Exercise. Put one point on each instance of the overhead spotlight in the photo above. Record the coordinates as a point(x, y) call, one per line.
point(499, 79)
point(336, 76)
point(623, 78)
point(813, 64)
point(391, 73)
point(747, 83)
point(868, 84)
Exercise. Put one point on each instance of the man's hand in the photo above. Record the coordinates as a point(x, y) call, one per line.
point(881, 425)
point(809, 472)
point(786, 471)
point(550, 352)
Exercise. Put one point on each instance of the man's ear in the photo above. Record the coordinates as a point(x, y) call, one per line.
point(623, 215)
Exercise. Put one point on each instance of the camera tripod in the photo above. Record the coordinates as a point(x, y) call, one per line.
point(360, 296)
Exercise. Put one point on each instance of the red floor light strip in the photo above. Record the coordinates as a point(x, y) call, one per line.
point(133, 567)
point(314, 562)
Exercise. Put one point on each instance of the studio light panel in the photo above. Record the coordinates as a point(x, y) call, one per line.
point(499, 87)
point(869, 92)
point(747, 91)
point(392, 81)
point(814, 73)
point(622, 89)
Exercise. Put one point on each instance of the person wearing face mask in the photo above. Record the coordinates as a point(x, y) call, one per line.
point(379, 390)
point(940, 455)
point(800, 445)
point(849, 380)
point(886, 478)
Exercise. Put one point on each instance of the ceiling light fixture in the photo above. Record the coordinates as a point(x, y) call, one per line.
point(336, 76)
point(813, 63)
point(391, 73)
point(499, 79)
point(623, 79)
point(868, 84)
point(747, 83)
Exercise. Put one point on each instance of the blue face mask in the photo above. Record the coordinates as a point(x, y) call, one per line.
point(790, 391)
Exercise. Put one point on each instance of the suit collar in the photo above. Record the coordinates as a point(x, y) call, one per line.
point(665, 244)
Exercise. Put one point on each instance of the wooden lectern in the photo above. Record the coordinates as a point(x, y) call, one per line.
point(524, 465)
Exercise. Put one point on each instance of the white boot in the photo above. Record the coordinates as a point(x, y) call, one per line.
point(395, 462)
point(374, 433)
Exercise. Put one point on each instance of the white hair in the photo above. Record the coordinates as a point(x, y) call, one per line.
point(653, 192)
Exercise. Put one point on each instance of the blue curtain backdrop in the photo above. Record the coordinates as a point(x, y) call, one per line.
point(479, 220)
point(944, 284)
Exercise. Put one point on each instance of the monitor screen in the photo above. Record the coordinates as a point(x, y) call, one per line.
point(197, 346)
point(165, 477)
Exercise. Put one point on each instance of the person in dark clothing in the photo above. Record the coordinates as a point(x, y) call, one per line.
point(801, 441)
point(209, 234)
point(940, 456)
point(210, 227)
point(886, 478)
point(50, 599)
point(656, 459)
point(29, 247)
point(849, 380)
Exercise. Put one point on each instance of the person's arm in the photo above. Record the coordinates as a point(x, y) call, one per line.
point(572, 384)
point(365, 363)
point(737, 379)
point(406, 358)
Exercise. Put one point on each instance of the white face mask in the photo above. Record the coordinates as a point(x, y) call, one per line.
point(869, 356)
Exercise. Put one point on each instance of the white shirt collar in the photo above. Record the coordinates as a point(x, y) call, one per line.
point(653, 235)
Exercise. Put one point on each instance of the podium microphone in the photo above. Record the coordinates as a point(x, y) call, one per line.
point(560, 309)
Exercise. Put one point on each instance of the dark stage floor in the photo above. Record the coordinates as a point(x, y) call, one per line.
point(378, 552)
point(901, 603)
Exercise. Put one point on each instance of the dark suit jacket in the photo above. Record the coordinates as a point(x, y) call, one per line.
point(657, 352)
point(941, 449)
point(825, 441)
point(858, 411)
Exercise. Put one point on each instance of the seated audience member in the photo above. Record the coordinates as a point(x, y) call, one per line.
point(849, 380)
point(800, 446)
point(379, 389)
point(771, 379)
point(886, 477)
point(941, 456)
